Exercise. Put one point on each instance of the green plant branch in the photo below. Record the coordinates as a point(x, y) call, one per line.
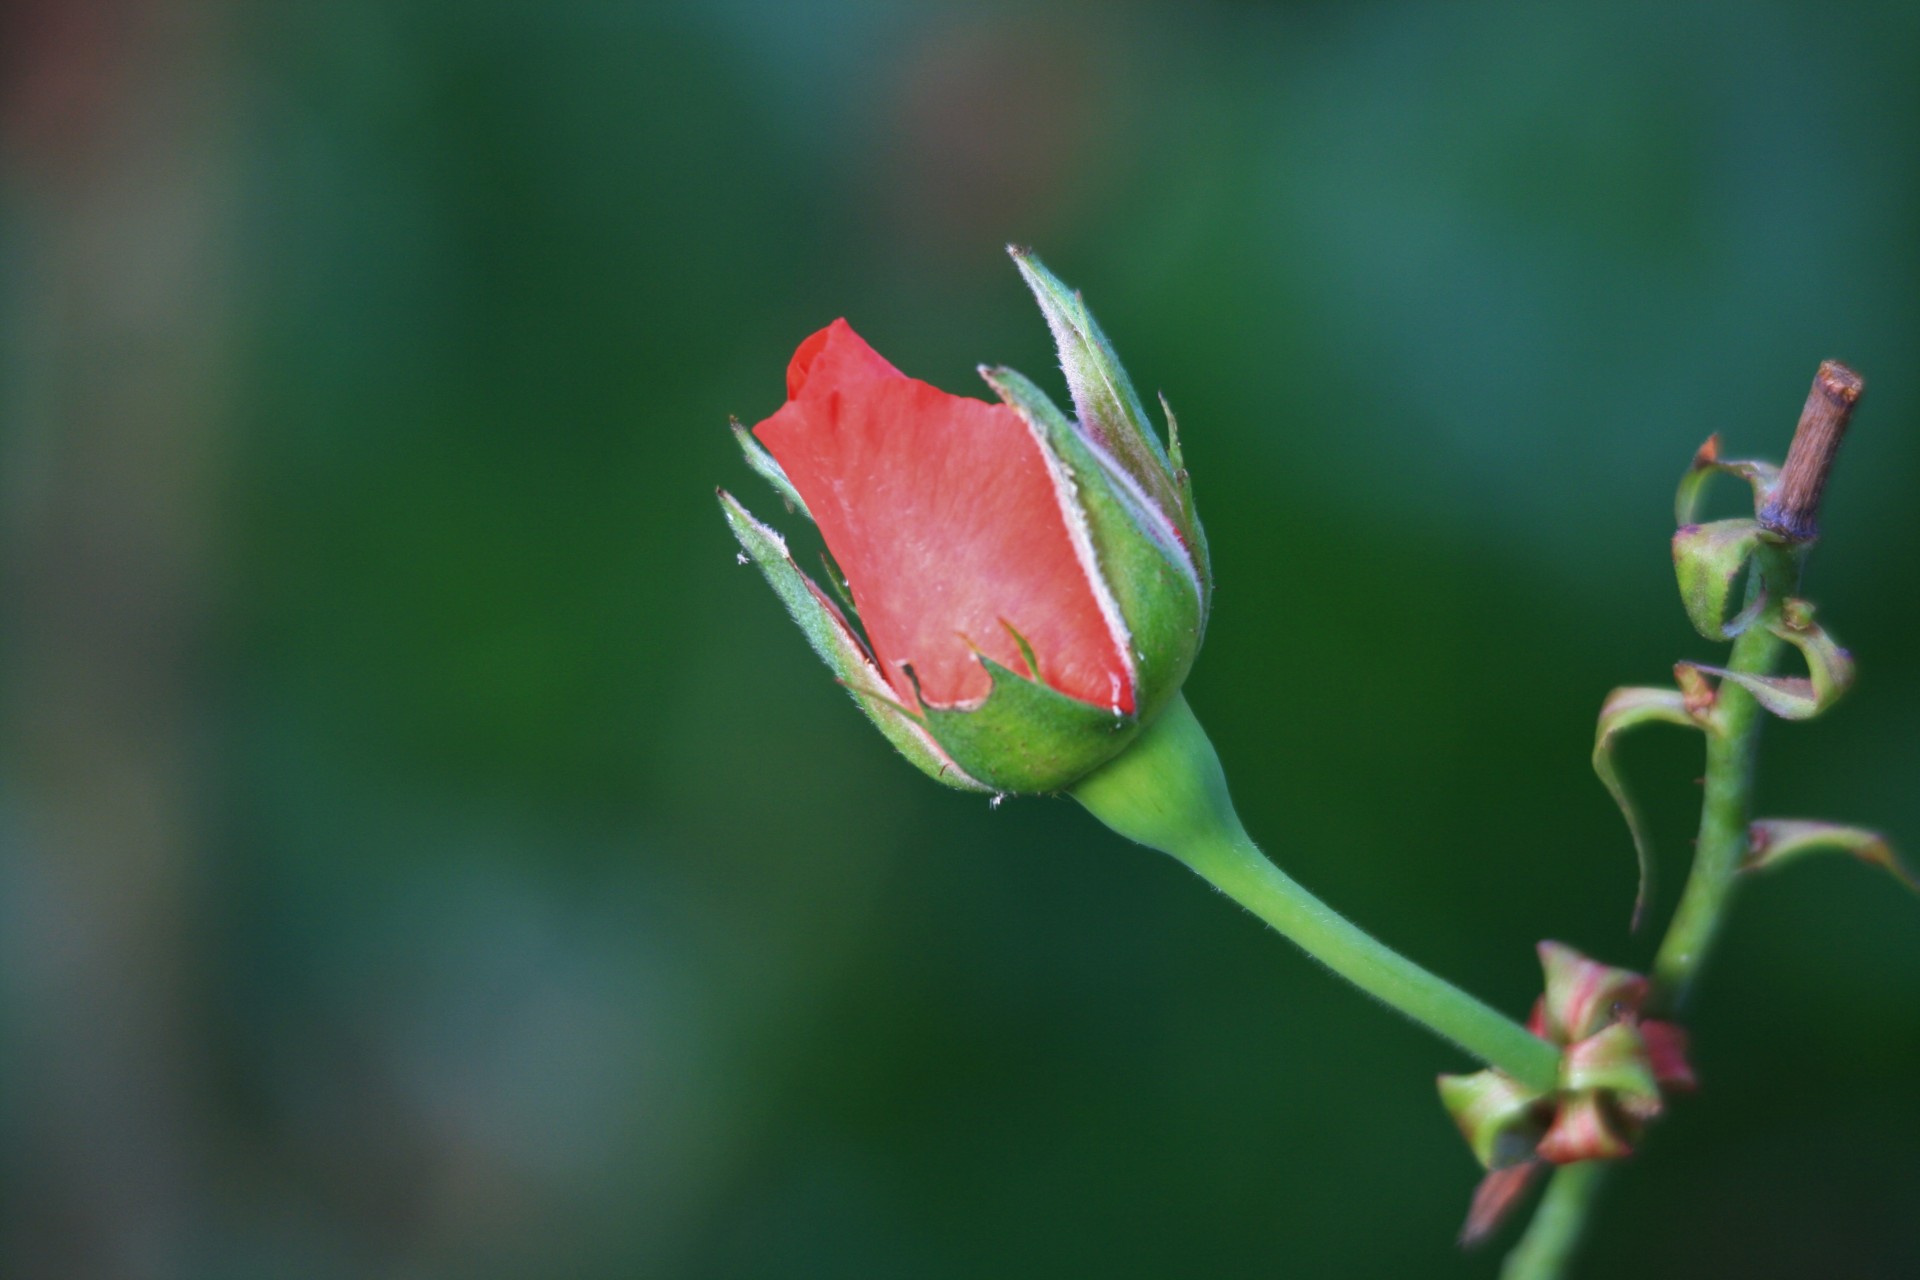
point(1733, 742)
point(1168, 791)
point(1788, 511)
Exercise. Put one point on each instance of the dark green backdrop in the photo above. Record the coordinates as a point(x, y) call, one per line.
point(425, 852)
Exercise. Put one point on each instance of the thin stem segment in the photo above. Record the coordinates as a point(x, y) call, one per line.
point(1726, 809)
point(1168, 791)
point(1554, 1235)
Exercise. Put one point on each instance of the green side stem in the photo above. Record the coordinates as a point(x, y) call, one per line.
point(1168, 791)
point(1558, 1223)
point(1726, 809)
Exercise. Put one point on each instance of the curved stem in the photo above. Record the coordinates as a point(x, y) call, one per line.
point(1168, 791)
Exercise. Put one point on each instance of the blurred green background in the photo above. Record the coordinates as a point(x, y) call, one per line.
point(424, 852)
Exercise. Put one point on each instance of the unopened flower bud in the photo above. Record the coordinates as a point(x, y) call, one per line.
point(1032, 588)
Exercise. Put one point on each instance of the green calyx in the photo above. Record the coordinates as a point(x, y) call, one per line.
point(1027, 737)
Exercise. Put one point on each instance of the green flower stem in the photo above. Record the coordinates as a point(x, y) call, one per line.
point(1554, 1234)
point(1167, 791)
point(1726, 808)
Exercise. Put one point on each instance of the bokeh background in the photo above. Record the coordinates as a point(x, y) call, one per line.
point(424, 852)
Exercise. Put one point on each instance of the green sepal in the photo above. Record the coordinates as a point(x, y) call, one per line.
point(1773, 841)
point(1584, 1128)
point(767, 469)
point(1625, 709)
point(1614, 1060)
point(1584, 995)
point(1501, 1119)
point(1189, 514)
point(1103, 396)
point(827, 631)
point(842, 590)
point(1709, 560)
point(1707, 464)
point(1829, 668)
point(1140, 558)
point(1027, 737)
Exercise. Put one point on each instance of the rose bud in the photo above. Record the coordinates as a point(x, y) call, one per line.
point(1032, 588)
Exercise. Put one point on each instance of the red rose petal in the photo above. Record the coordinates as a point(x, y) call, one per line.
point(941, 513)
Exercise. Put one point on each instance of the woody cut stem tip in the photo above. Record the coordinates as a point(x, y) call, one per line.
point(1793, 510)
